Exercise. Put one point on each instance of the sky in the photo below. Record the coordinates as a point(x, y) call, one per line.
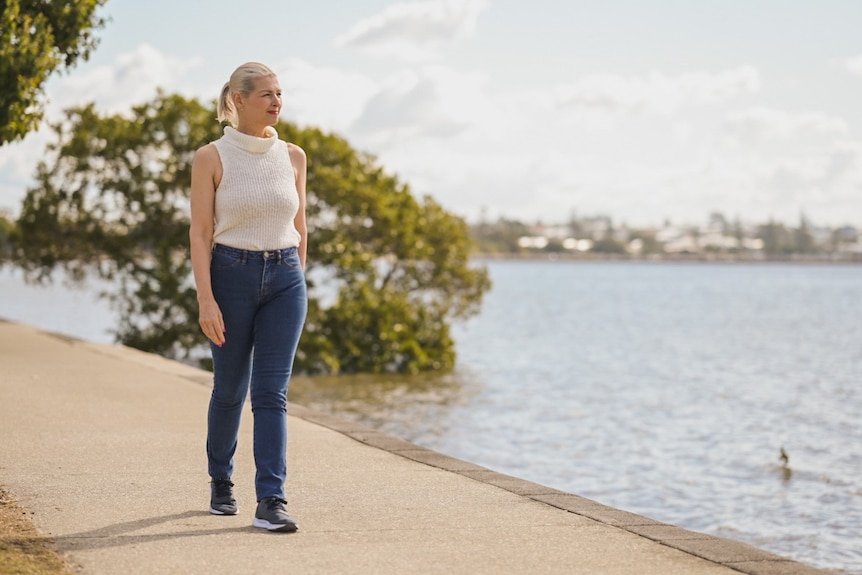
point(646, 111)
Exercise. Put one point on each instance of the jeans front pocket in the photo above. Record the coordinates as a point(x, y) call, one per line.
point(292, 261)
point(224, 261)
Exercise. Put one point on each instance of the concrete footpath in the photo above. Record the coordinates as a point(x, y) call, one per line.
point(105, 446)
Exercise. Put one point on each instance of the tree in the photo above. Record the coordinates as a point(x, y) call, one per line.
point(803, 239)
point(111, 198)
point(7, 230)
point(649, 245)
point(387, 273)
point(777, 240)
point(400, 266)
point(37, 38)
point(499, 237)
point(608, 245)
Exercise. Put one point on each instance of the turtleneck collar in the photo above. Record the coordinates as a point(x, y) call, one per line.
point(249, 143)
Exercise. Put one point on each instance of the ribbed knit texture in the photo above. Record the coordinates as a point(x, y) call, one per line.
point(256, 201)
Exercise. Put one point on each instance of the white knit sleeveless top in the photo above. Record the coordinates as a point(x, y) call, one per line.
point(256, 200)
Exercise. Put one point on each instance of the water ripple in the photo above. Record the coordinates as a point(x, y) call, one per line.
point(667, 390)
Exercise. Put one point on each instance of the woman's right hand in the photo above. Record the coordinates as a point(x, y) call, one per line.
point(212, 322)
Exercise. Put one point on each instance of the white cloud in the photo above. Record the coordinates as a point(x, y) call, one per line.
point(657, 93)
point(132, 78)
point(414, 30)
point(521, 161)
point(755, 124)
point(787, 163)
point(18, 162)
point(327, 98)
point(434, 102)
point(758, 184)
point(532, 152)
point(472, 147)
point(836, 166)
point(854, 65)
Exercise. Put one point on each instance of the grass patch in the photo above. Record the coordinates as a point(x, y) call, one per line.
point(23, 551)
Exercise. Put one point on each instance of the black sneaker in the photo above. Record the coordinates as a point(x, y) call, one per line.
point(271, 515)
point(221, 497)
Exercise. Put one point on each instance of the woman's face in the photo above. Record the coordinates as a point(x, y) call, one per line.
point(263, 104)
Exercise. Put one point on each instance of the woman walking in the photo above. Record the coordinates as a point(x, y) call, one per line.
point(248, 249)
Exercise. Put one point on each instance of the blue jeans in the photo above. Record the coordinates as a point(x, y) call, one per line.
point(262, 297)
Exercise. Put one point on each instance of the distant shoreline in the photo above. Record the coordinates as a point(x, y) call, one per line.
point(671, 258)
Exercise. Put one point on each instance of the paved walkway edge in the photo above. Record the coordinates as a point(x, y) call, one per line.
point(736, 555)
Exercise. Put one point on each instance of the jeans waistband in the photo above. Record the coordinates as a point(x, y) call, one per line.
point(246, 255)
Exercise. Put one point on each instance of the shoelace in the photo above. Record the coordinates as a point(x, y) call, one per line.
point(222, 487)
point(276, 503)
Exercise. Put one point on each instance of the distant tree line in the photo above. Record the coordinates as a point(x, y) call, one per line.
point(598, 236)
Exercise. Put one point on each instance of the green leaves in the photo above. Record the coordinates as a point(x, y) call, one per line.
point(36, 39)
point(112, 199)
point(400, 266)
point(372, 330)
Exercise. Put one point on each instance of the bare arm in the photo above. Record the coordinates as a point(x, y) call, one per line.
point(300, 162)
point(206, 172)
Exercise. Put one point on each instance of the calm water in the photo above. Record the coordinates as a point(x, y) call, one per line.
point(665, 389)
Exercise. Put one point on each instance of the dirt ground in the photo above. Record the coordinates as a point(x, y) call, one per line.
point(23, 550)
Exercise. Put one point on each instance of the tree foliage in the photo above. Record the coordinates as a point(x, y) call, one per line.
point(38, 37)
point(111, 197)
point(7, 231)
point(388, 273)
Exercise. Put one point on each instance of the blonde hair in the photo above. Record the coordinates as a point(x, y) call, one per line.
point(241, 82)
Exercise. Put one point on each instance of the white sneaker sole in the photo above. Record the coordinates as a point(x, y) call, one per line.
point(264, 524)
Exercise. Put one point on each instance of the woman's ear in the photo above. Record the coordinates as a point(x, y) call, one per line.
point(238, 103)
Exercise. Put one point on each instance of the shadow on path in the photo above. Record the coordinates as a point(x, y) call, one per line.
point(121, 534)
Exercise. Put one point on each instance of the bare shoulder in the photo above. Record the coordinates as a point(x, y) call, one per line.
point(297, 155)
point(207, 155)
point(206, 165)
